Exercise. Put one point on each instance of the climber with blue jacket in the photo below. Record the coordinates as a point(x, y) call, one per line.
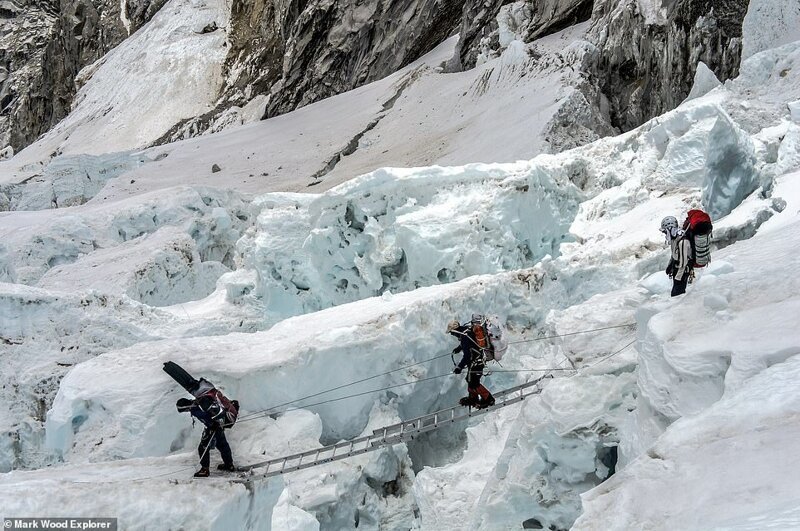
point(472, 344)
point(211, 412)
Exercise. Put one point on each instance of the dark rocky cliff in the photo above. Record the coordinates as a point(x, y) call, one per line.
point(645, 62)
point(43, 46)
point(301, 51)
point(646, 68)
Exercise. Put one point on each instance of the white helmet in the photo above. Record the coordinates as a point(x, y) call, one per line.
point(452, 325)
point(668, 223)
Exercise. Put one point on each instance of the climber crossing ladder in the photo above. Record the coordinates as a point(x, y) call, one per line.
point(388, 435)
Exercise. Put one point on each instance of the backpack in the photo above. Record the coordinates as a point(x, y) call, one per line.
point(228, 408)
point(698, 229)
point(491, 337)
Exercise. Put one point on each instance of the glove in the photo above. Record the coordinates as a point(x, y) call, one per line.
point(457, 370)
point(670, 271)
point(457, 350)
point(183, 404)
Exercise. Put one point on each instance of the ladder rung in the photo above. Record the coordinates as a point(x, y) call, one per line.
point(387, 435)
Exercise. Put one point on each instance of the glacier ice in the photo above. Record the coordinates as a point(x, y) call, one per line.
point(311, 291)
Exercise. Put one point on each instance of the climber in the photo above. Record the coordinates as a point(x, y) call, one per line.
point(473, 341)
point(215, 412)
point(679, 268)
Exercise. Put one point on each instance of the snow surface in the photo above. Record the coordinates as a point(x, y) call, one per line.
point(720, 364)
point(769, 24)
point(284, 295)
point(419, 116)
point(130, 94)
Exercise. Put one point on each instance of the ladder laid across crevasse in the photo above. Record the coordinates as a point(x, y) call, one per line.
point(387, 436)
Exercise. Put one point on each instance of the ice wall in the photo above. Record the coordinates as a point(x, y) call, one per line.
point(397, 229)
point(288, 361)
point(68, 180)
point(156, 249)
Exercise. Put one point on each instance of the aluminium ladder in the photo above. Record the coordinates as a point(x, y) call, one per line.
point(386, 436)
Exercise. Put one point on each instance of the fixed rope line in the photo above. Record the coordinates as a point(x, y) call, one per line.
point(553, 369)
point(304, 406)
point(601, 360)
point(260, 413)
point(571, 333)
point(190, 467)
point(492, 371)
point(265, 412)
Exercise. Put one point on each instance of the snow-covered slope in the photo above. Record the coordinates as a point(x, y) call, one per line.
point(503, 111)
point(130, 97)
point(719, 363)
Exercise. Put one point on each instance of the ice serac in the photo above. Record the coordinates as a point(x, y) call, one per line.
point(67, 181)
point(559, 446)
point(396, 230)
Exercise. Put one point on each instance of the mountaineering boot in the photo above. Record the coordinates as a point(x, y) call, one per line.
point(468, 401)
point(486, 402)
point(202, 473)
point(471, 400)
point(226, 467)
point(486, 397)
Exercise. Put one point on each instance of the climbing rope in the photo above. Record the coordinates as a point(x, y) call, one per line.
point(492, 371)
point(273, 408)
point(266, 412)
point(269, 411)
point(571, 333)
point(254, 416)
point(601, 360)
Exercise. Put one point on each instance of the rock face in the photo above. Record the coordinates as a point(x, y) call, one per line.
point(647, 50)
point(302, 52)
point(283, 55)
point(647, 60)
point(26, 28)
point(43, 46)
point(481, 31)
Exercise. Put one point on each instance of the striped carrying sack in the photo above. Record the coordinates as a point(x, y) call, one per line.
point(698, 229)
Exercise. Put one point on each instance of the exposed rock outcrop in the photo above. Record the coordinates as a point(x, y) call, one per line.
point(482, 24)
point(26, 29)
point(281, 56)
point(298, 53)
point(646, 54)
point(647, 60)
point(43, 47)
